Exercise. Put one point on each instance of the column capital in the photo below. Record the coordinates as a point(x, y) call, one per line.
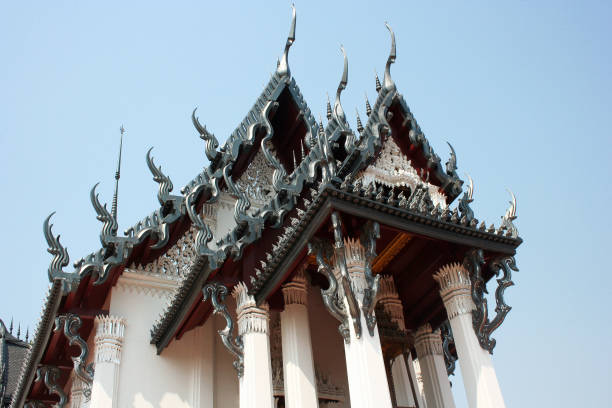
point(455, 289)
point(389, 299)
point(110, 332)
point(251, 318)
point(428, 342)
point(295, 292)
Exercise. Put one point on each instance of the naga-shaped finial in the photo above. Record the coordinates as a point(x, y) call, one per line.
point(109, 229)
point(60, 258)
point(282, 68)
point(211, 141)
point(165, 184)
point(509, 217)
point(338, 111)
point(451, 164)
point(387, 81)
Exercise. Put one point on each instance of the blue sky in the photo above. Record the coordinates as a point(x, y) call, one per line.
point(522, 90)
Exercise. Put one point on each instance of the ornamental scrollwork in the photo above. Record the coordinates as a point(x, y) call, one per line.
point(484, 327)
point(345, 279)
point(50, 375)
point(217, 293)
point(60, 259)
point(71, 323)
point(331, 299)
point(450, 359)
point(370, 233)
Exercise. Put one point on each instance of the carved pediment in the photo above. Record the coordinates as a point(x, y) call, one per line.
point(393, 169)
point(256, 181)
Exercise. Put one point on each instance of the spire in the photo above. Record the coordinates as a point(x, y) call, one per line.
point(283, 65)
point(359, 125)
point(27, 334)
point(378, 86)
point(117, 175)
point(368, 107)
point(19, 331)
point(11, 327)
point(387, 81)
point(329, 111)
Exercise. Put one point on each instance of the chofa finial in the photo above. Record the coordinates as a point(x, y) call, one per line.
point(338, 111)
point(510, 216)
point(283, 67)
point(387, 81)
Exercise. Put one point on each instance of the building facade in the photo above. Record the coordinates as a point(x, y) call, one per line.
point(307, 265)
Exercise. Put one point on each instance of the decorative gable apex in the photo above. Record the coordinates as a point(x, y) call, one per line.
point(393, 169)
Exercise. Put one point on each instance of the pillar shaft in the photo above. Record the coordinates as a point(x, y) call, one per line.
point(479, 378)
point(367, 376)
point(109, 337)
point(298, 363)
point(253, 326)
point(428, 346)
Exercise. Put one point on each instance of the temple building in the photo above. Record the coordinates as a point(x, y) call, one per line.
point(309, 264)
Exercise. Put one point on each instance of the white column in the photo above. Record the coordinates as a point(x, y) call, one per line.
point(404, 381)
point(428, 346)
point(78, 390)
point(253, 326)
point(479, 379)
point(367, 377)
point(419, 380)
point(298, 364)
point(110, 332)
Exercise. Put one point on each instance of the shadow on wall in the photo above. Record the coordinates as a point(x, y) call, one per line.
point(168, 401)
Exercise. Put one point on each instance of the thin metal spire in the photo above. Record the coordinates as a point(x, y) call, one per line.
point(368, 107)
point(19, 331)
point(117, 176)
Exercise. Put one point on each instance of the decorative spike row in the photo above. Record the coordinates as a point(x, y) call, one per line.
point(359, 124)
point(368, 107)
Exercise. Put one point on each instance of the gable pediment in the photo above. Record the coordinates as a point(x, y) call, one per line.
point(393, 169)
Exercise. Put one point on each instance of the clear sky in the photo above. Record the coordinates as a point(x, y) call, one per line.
point(521, 89)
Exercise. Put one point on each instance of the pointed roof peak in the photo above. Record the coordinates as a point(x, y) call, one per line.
point(338, 111)
point(283, 65)
point(387, 81)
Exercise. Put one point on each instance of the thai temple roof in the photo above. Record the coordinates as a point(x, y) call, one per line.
point(311, 165)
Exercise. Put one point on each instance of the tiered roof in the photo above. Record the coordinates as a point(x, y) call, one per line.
point(269, 237)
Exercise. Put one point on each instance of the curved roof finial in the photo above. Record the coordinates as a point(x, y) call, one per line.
point(387, 81)
point(338, 111)
point(283, 67)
